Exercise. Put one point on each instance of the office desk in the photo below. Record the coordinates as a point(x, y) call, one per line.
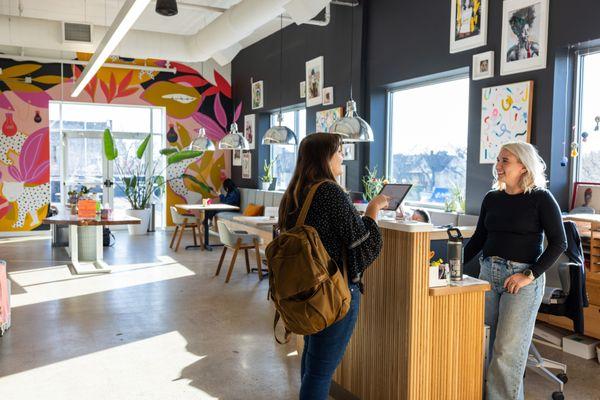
point(412, 342)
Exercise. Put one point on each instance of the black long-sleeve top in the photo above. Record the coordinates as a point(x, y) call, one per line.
point(340, 227)
point(513, 227)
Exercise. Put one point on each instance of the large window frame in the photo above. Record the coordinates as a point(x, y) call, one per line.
point(461, 74)
point(299, 129)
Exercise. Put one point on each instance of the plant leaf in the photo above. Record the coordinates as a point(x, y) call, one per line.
point(110, 150)
point(183, 155)
point(167, 151)
point(142, 148)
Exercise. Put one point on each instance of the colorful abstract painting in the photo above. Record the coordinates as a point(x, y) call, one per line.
point(190, 100)
point(505, 117)
point(326, 118)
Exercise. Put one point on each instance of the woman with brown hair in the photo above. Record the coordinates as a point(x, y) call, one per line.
point(344, 234)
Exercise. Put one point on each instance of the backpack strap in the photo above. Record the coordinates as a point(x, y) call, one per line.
point(307, 203)
point(288, 333)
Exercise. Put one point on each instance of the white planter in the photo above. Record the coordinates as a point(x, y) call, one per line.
point(142, 227)
point(265, 185)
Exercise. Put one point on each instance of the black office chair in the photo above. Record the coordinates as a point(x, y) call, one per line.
point(565, 295)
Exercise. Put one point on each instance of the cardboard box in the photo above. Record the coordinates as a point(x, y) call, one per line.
point(580, 346)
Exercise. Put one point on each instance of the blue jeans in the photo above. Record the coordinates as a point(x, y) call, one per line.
point(324, 351)
point(511, 318)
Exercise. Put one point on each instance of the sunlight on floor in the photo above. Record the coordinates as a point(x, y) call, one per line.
point(21, 239)
point(101, 373)
point(64, 285)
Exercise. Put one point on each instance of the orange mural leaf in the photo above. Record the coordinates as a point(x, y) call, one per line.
point(184, 135)
point(48, 79)
point(215, 172)
point(17, 86)
point(179, 100)
point(19, 70)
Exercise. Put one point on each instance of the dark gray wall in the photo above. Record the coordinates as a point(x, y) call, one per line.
point(404, 40)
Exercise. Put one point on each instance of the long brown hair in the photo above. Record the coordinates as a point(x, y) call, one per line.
point(312, 166)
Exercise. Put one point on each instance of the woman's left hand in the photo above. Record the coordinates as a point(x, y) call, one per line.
point(516, 281)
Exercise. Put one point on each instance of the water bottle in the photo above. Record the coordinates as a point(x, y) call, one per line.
point(455, 254)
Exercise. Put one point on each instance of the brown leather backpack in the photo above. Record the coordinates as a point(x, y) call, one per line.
point(305, 284)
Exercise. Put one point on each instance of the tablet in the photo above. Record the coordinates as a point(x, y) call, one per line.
point(396, 192)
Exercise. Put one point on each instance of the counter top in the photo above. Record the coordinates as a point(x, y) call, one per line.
point(467, 285)
point(437, 233)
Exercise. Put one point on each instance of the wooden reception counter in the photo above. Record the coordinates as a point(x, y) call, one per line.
point(412, 342)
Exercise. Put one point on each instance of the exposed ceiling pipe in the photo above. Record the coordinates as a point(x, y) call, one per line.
point(324, 22)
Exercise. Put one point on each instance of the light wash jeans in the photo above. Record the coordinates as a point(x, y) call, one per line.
point(511, 318)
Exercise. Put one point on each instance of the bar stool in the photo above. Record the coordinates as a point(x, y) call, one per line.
point(183, 221)
point(238, 241)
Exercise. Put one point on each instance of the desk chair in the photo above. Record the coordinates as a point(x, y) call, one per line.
point(564, 295)
point(238, 241)
point(183, 221)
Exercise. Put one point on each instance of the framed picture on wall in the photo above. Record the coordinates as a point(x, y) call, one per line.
point(483, 65)
point(314, 82)
point(257, 95)
point(250, 130)
point(348, 150)
point(505, 117)
point(328, 96)
point(326, 118)
point(468, 24)
point(586, 198)
point(303, 89)
point(236, 158)
point(246, 165)
point(524, 36)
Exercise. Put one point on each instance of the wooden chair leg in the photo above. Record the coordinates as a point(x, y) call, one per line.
point(174, 236)
point(235, 252)
point(258, 260)
point(247, 262)
point(180, 236)
point(221, 260)
point(194, 234)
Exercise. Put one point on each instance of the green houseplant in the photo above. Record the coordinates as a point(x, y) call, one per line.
point(267, 177)
point(372, 183)
point(141, 179)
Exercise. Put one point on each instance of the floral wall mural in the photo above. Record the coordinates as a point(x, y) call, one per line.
point(190, 102)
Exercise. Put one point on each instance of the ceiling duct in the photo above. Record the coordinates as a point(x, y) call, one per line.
point(302, 11)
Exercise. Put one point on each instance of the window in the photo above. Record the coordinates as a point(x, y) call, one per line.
point(285, 156)
point(427, 142)
point(587, 165)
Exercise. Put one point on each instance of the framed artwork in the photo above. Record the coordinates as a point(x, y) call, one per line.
point(257, 95)
point(505, 117)
point(348, 150)
point(328, 96)
point(468, 24)
point(326, 118)
point(303, 89)
point(237, 158)
point(250, 130)
point(246, 165)
point(586, 198)
point(314, 82)
point(524, 36)
point(483, 65)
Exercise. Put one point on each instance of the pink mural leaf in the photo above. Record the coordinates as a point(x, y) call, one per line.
point(192, 80)
point(5, 103)
point(34, 159)
point(40, 173)
point(222, 84)
point(90, 88)
point(210, 91)
point(220, 112)
point(112, 88)
point(182, 68)
point(128, 92)
point(15, 173)
point(5, 207)
point(213, 130)
point(125, 82)
point(36, 99)
point(104, 88)
point(238, 112)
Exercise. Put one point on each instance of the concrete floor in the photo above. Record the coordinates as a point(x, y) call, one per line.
point(160, 327)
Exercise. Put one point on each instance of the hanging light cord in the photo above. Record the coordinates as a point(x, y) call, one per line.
point(351, 54)
point(280, 63)
point(566, 132)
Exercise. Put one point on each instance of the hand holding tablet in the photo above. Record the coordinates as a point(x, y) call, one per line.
point(396, 193)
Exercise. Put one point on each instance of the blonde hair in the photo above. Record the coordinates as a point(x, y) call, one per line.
point(526, 154)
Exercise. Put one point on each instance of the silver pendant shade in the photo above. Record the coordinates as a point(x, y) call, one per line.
point(352, 128)
point(234, 140)
point(202, 143)
point(280, 135)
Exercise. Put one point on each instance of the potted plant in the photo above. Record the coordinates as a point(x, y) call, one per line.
point(372, 185)
point(267, 178)
point(141, 179)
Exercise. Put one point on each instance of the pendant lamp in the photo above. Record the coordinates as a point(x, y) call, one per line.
point(202, 143)
point(280, 135)
point(234, 140)
point(352, 128)
point(168, 8)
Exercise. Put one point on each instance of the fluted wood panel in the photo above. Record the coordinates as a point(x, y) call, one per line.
point(408, 344)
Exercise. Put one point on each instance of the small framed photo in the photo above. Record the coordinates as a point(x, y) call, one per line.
point(524, 36)
point(483, 65)
point(303, 89)
point(237, 158)
point(348, 150)
point(328, 96)
point(314, 82)
point(257, 95)
point(246, 165)
point(586, 198)
point(468, 24)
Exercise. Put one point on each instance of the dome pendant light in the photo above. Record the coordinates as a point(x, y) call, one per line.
point(352, 128)
point(168, 8)
point(280, 135)
point(234, 140)
point(202, 143)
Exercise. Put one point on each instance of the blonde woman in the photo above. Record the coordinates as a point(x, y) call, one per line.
point(514, 218)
